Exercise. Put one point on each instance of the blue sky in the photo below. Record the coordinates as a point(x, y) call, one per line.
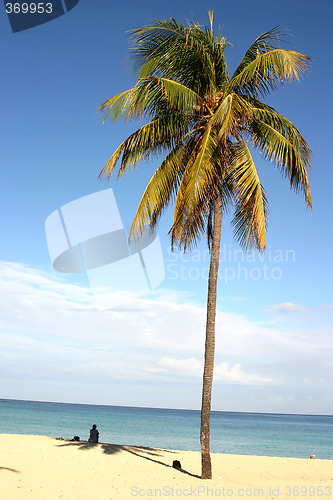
point(60, 341)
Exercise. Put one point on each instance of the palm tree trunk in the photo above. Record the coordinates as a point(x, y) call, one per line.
point(206, 465)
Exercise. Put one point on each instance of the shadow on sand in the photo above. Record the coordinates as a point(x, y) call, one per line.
point(11, 470)
point(151, 454)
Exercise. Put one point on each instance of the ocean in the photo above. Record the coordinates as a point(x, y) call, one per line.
point(265, 434)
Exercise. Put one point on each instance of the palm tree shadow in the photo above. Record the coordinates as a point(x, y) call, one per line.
point(11, 470)
point(145, 452)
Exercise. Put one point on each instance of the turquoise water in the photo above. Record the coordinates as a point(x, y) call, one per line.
point(240, 433)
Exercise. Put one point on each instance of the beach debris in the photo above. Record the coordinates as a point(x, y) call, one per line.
point(176, 464)
point(312, 456)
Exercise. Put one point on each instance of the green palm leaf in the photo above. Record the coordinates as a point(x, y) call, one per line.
point(151, 138)
point(119, 105)
point(159, 191)
point(169, 49)
point(268, 69)
point(251, 201)
point(198, 172)
point(231, 112)
point(280, 141)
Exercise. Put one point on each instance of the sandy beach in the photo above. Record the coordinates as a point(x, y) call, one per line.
point(40, 467)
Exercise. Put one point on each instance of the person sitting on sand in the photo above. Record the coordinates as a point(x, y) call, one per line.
point(94, 434)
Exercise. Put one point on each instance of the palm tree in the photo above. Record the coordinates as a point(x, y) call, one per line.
point(205, 122)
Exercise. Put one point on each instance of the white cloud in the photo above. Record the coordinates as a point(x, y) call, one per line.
point(54, 330)
point(328, 308)
point(190, 366)
point(286, 308)
point(223, 372)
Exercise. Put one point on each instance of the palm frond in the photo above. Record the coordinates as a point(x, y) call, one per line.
point(280, 142)
point(153, 138)
point(184, 54)
point(188, 229)
point(251, 202)
point(109, 167)
point(200, 118)
point(199, 171)
point(263, 43)
point(119, 105)
point(152, 96)
point(180, 97)
point(262, 74)
point(201, 180)
point(196, 220)
point(159, 191)
point(230, 113)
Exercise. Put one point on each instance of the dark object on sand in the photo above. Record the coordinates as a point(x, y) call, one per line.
point(76, 438)
point(176, 464)
point(313, 456)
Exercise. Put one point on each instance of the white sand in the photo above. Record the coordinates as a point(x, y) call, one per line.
point(39, 467)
